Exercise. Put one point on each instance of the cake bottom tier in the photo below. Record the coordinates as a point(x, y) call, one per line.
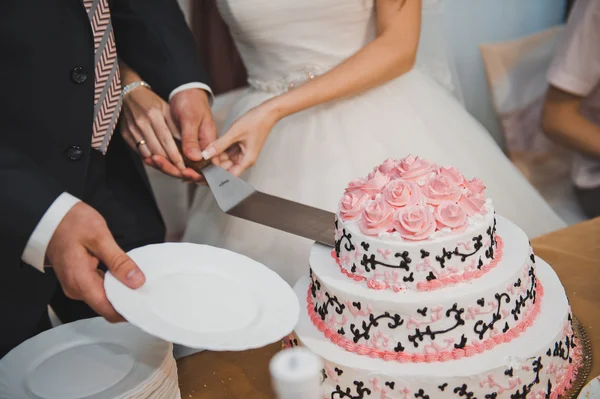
point(540, 363)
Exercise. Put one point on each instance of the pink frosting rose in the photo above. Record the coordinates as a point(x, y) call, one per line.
point(376, 217)
point(475, 185)
point(399, 193)
point(439, 189)
point(415, 222)
point(352, 204)
point(452, 215)
point(388, 168)
point(472, 204)
point(355, 185)
point(451, 173)
point(376, 183)
point(415, 169)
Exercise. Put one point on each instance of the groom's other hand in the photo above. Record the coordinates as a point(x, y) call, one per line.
point(80, 242)
point(191, 112)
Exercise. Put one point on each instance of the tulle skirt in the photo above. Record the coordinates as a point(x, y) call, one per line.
point(309, 157)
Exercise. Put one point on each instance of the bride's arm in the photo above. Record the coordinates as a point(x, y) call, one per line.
point(391, 54)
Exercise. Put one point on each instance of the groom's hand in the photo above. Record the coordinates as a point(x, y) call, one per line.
point(80, 242)
point(191, 112)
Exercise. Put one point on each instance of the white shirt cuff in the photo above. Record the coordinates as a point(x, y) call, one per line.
point(35, 250)
point(194, 85)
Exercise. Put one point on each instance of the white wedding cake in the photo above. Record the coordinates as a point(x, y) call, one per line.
point(428, 294)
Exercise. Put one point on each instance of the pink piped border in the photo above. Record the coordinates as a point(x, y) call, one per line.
point(454, 354)
point(433, 284)
point(569, 376)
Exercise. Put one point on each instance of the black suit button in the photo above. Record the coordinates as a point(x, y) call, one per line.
point(74, 153)
point(78, 75)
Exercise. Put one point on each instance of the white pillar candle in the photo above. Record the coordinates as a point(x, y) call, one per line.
point(296, 374)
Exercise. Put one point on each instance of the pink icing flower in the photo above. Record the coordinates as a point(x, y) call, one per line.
point(375, 184)
point(399, 193)
point(354, 185)
point(388, 168)
point(415, 169)
point(440, 189)
point(376, 217)
point(452, 215)
point(451, 173)
point(472, 204)
point(475, 185)
point(352, 204)
point(415, 222)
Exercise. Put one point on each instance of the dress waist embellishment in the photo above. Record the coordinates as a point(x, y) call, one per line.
point(291, 81)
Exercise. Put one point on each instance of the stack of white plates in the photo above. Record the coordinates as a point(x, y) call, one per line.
point(90, 359)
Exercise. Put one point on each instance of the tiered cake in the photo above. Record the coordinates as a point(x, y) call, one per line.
point(429, 294)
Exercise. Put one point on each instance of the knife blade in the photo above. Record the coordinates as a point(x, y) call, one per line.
point(237, 198)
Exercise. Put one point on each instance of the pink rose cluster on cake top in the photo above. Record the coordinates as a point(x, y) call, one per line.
point(414, 198)
point(407, 208)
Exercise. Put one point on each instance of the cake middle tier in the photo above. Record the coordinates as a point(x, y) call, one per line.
point(412, 326)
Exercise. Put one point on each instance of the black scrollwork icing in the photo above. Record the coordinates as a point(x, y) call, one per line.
point(390, 384)
point(399, 348)
point(421, 394)
point(530, 295)
point(361, 391)
point(323, 310)
point(370, 263)
point(478, 244)
point(462, 343)
point(481, 327)
point(315, 286)
point(443, 386)
point(348, 245)
point(396, 321)
point(476, 247)
point(525, 390)
point(419, 335)
point(463, 391)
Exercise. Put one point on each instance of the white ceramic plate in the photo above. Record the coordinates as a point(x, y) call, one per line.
point(89, 359)
point(205, 297)
point(591, 390)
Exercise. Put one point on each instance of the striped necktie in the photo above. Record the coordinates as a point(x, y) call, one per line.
point(107, 84)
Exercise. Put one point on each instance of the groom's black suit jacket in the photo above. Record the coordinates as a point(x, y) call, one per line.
point(46, 116)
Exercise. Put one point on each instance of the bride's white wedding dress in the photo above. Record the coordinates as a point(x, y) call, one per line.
point(310, 156)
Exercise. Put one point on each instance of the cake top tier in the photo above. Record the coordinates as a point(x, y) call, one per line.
point(413, 199)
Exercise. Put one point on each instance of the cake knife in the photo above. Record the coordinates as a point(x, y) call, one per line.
point(237, 198)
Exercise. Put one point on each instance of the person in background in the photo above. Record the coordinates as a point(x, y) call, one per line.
point(571, 114)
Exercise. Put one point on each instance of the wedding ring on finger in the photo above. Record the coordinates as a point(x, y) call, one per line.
point(143, 149)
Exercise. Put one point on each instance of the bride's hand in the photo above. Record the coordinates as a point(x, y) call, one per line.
point(239, 147)
point(148, 128)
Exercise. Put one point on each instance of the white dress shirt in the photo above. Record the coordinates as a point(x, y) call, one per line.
point(576, 69)
point(35, 250)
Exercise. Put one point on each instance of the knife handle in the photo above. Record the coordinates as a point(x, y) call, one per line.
point(194, 165)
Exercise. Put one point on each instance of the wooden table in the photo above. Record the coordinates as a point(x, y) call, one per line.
point(574, 253)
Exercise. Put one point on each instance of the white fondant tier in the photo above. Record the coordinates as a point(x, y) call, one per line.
point(540, 363)
point(389, 262)
point(411, 326)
